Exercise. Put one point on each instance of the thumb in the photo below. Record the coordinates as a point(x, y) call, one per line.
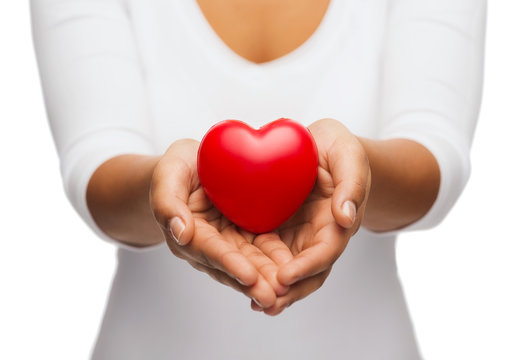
point(350, 171)
point(172, 183)
point(181, 225)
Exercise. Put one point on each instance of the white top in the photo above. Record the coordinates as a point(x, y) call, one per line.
point(132, 76)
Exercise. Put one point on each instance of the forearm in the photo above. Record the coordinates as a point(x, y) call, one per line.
point(404, 184)
point(118, 199)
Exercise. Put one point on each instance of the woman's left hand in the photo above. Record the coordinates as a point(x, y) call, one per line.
point(319, 231)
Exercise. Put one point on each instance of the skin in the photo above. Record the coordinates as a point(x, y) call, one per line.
point(263, 30)
point(143, 200)
point(282, 267)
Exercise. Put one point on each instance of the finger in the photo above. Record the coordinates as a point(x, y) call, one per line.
point(261, 294)
point(271, 253)
point(329, 243)
point(247, 235)
point(349, 167)
point(297, 292)
point(341, 153)
point(209, 247)
point(272, 246)
point(173, 180)
point(265, 266)
point(255, 306)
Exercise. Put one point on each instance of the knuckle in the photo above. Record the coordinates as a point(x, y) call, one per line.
point(204, 259)
point(177, 252)
point(359, 191)
point(320, 282)
point(331, 122)
point(197, 266)
point(266, 268)
point(161, 211)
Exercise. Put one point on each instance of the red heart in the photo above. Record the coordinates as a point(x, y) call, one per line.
point(257, 178)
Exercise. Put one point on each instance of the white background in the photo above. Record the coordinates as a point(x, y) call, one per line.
point(461, 279)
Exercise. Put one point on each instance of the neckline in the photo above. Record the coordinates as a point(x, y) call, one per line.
point(304, 55)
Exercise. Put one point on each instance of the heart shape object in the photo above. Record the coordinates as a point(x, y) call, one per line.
point(257, 178)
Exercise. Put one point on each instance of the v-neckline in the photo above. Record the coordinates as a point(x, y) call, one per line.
point(303, 55)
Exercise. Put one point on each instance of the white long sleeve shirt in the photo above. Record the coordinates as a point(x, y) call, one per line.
point(132, 76)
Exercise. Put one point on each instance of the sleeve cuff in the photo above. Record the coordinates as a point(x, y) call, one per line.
point(83, 157)
point(451, 154)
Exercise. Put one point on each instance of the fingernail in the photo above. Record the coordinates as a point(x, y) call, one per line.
point(257, 302)
point(239, 281)
point(348, 209)
point(176, 228)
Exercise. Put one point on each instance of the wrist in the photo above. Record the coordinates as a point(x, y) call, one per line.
point(117, 198)
point(405, 183)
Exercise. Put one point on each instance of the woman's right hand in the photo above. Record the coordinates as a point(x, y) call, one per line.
point(197, 232)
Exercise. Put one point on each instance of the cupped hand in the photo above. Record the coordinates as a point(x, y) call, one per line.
point(319, 231)
point(198, 233)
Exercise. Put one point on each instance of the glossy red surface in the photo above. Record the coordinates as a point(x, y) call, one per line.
point(257, 178)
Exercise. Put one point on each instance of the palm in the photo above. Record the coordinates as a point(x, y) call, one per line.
point(313, 237)
point(317, 234)
point(201, 235)
point(214, 229)
point(314, 218)
point(209, 219)
point(287, 264)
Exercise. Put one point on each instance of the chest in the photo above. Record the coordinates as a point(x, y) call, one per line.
point(263, 30)
point(193, 79)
